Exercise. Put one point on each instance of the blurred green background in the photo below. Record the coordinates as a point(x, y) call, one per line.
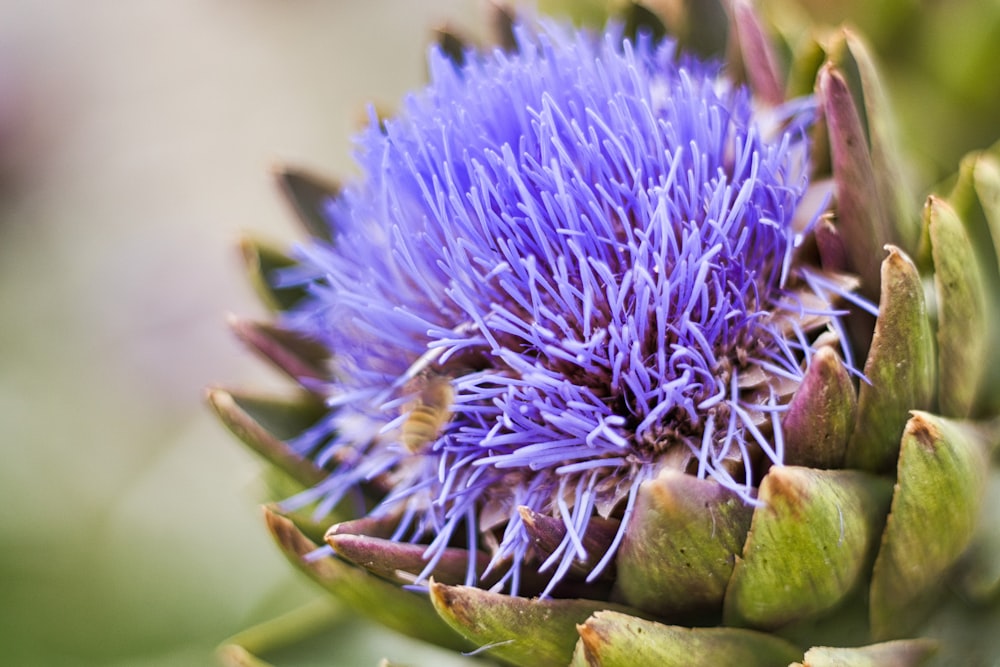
point(136, 140)
point(135, 145)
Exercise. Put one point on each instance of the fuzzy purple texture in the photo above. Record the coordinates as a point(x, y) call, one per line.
point(588, 240)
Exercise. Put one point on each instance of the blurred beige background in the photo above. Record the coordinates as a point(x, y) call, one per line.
point(135, 144)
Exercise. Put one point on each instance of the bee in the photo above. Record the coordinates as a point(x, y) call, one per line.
point(428, 412)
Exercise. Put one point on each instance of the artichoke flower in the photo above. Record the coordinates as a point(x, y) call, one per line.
point(621, 355)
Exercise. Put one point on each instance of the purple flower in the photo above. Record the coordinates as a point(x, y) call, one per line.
point(563, 270)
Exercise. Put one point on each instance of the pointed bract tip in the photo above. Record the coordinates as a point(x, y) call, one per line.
point(286, 534)
point(941, 482)
point(611, 639)
point(899, 653)
point(233, 655)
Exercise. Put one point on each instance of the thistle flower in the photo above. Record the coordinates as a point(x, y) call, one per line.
point(565, 271)
point(583, 345)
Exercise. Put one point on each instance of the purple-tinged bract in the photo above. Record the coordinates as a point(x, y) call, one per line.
point(563, 270)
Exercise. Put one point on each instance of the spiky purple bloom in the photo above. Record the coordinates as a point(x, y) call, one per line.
point(574, 265)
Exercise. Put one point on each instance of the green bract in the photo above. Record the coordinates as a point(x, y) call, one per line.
point(874, 544)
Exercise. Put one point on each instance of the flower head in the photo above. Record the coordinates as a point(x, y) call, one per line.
point(564, 269)
point(582, 331)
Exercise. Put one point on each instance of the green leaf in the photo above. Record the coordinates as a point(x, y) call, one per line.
point(452, 45)
point(610, 639)
point(821, 415)
point(242, 649)
point(592, 13)
point(986, 174)
point(702, 26)
point(830, 246)
point(547, 534)
point(967, 633)
point(263, 262)
point(297, 356)
point(234, 655)
point(976, 200)
point(502, 20)
point(938, 495)
point(979, 571)
point(811, 542)
point(901, 653)
point(962, 317)
point(401, 561)
point(975, 196)
point(308, 195)
point(900, 367)
point(862, 223)
point(640, 19)
point(895, 200)
point(521, 631)
point(681, 544)
point(262, 423)
point(756, 52)
point(409, 613)
point(807, 56)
